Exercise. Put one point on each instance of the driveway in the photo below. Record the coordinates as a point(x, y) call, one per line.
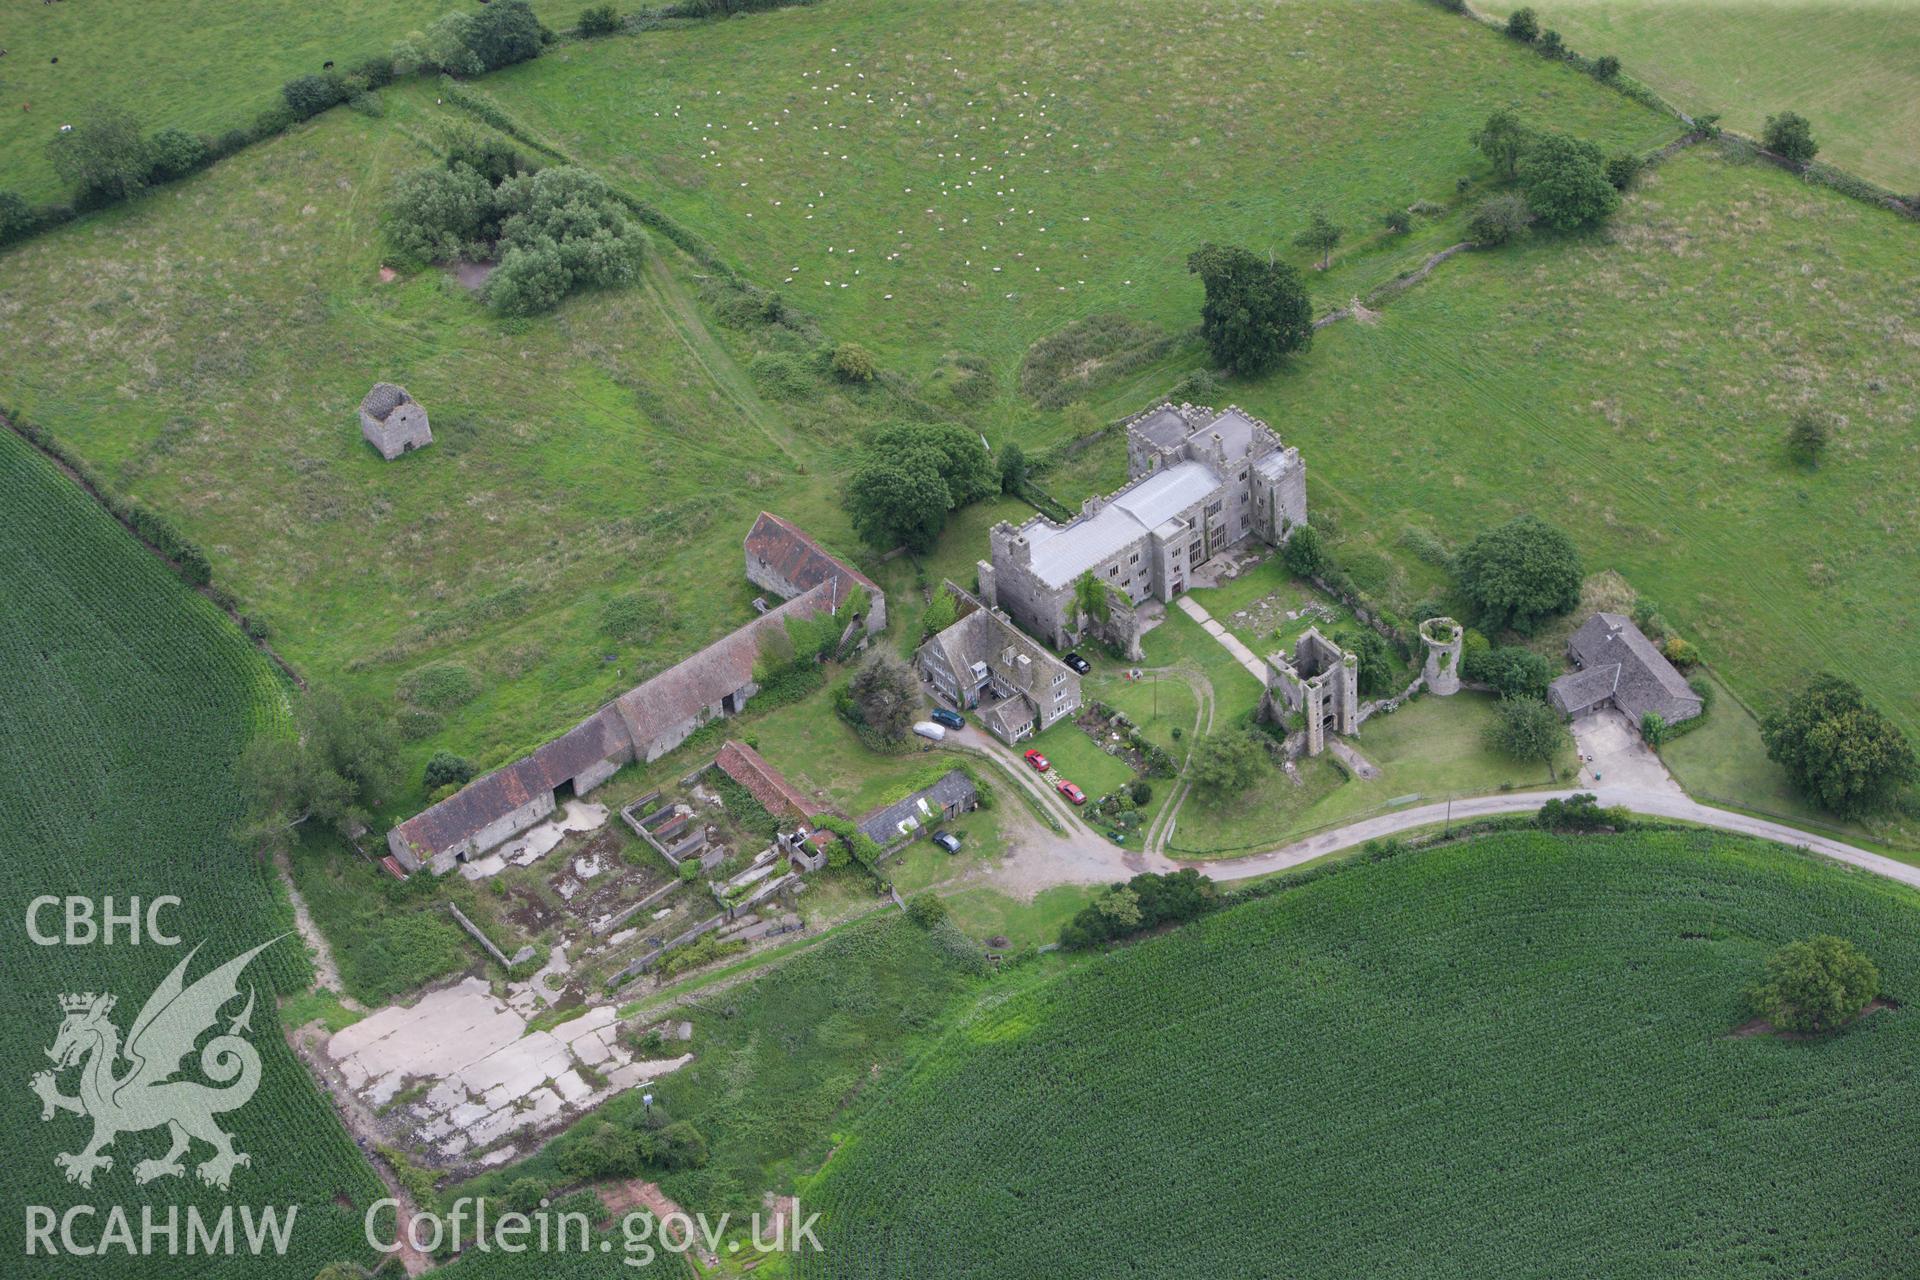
point(1612, 753)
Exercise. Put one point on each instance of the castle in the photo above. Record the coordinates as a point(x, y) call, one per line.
point(1200, 483)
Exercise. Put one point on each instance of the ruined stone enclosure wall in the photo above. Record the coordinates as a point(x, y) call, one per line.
point(1444, 641)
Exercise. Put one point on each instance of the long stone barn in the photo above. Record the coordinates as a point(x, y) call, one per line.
point(647, 721)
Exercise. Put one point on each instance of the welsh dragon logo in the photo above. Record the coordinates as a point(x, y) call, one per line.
point(144, 1095)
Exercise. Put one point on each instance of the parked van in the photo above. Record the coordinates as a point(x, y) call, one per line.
point(930, 731)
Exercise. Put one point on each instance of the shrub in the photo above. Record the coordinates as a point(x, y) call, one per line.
point(375, 71)
point(1580, 812)
point(17, 218)
point(599, 20)
point(1550, 44)
point(1815, 986)
point(440, 686)
point(1198, 387)
point(1226, 762)
point(1655, 729)
point(1514, 672)
point(1498, 219)
point(1789, 136)
point(926, 910)
point(1680, 653)
point(1623, 169)
point(854, 363)
point(782, 376)
point(506, 32)
point(1566, 184)
point(1305, 553)
point(1807, 438)
point(446, 768)
point(1607, 68)
point(1524, 24)
point(103, 158)
point(1397, 220)
point(308, 96)
point(175, 153)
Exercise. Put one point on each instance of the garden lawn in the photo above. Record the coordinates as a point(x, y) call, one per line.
point(1852, 67)
point(1262, 817)
point(1480, 1060)
point(1158, 703)
point(1179, 641)
point(969, 177)
point(1077, 758)
point(985, 913)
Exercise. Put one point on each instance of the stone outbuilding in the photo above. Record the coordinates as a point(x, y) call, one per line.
point(393, 421)
point(1620, 668)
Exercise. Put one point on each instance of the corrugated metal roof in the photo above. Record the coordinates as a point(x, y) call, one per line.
point(1062, 555)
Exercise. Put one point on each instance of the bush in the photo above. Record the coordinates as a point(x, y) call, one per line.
point(1524, 25)
point(103, 158)
point(1305, 554)
point(17, 219)
point(1144, 902)
point(1623, 169)
point(782, 376)
point(1141, 792)
point(308, 96)
point(440, 686)
point(175, 153)
point(1498, 219)
point(1580, 813)
point(1607, 68)
point(1815, 986)
point(562, 229)
point(926, 910)
point(1789, 136)
point(438, 214)
point(447, 769)
point(1198, 387)
point(852, 362)
point(1397, 220)
point(599, 20)
point(1514, 672)
point(1680, 653)
point(375, 71)
point(1807, 438)
point(1550, 45)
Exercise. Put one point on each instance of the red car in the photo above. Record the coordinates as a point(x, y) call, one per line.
point(1038, 761)
point(1073, 793)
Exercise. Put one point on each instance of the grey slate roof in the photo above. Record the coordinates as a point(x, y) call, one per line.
point(1617, 660)
point(954, 787)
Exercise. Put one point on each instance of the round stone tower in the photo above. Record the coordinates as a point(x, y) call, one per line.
point(1444, 639)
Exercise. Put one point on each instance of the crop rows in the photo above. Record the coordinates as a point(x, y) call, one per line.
point(1489, 1061)
point(125, 700)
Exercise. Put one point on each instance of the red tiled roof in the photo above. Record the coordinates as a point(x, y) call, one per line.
point(767, 784)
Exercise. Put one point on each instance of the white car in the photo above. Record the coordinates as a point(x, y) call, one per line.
point(930, 731)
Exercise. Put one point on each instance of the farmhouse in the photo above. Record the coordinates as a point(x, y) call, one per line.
point(1319, 681)
point(1200, 484)
point(393, 422)
point(911, 816)
point(1619, 667)
point(984, 662)
point(643, 724)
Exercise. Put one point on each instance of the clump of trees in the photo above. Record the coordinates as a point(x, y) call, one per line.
point(339, 765)
point(105, 158)
point(1375, 673)
point(1789, 136)
point(1144, 902)
point(909, 476)
point(1815, 986)
point(1563, 182)
point(1580, 812)
point(1520, 573)
point(1839, 751)
point(1256, 311)
point(552, 230)
point(1514, 672)
point(466, 43)
point(637, 1143)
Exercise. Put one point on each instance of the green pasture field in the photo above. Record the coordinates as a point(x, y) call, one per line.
point(205, 350)
point(1851, 67)
point(1002, 169)
point(125, 700)
point(205, 66)
point(1467, 1061)
point(1636, 388)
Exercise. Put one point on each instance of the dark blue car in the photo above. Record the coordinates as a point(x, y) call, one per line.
point(951, 719)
